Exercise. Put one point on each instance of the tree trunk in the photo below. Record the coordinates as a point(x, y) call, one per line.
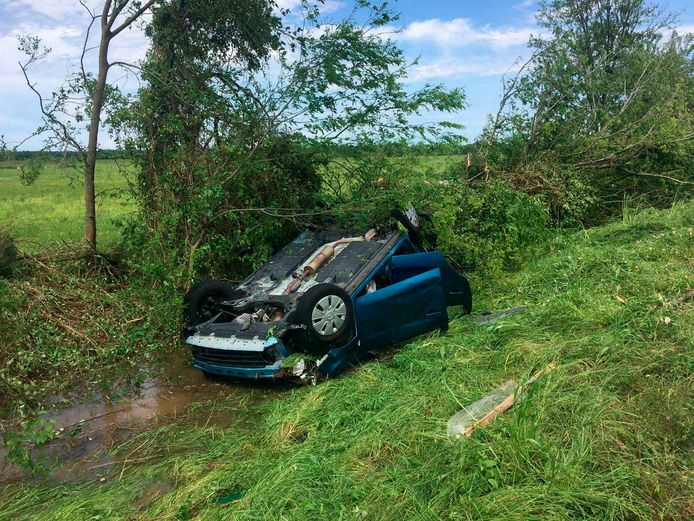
point(92, 143)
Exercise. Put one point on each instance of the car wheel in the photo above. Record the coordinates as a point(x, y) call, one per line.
point(409, 219)
point(200, 302)
point(326, 312)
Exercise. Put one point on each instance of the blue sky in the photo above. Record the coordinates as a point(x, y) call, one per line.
point(466, 43)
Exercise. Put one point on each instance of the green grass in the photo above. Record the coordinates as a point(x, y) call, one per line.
point(605, 436)
point(51, 210)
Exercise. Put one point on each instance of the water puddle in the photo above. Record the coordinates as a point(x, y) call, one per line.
point(91, 428)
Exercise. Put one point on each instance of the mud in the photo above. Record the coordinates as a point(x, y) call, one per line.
point(90, 429)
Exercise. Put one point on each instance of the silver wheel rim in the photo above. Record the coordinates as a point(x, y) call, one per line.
point(329, 314)
point(412, 216)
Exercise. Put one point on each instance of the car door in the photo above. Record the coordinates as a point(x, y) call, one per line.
point(456, 287)
point(402, 310)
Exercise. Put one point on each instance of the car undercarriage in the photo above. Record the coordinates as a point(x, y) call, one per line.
point(312, 297)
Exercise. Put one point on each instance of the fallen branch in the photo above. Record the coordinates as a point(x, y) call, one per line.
point(658, 176)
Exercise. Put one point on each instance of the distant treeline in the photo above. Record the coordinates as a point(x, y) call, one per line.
point(387, 149)
point(18, 155)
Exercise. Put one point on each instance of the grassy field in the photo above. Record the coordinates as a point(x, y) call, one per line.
point(51, 210)
point(607, 435)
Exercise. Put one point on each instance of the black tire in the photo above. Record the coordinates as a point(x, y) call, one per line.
point(419, 226)
point(199, 303)
point(326, 311)
point(409, 218)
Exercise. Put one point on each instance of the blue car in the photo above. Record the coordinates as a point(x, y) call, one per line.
point(322, 303)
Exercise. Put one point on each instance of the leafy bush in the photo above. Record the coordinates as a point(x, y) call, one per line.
point(568, 196)
point(489, 227)
point(226, 223)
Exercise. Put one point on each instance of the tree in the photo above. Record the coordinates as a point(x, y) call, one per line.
point(235, 124)
point(89, 91)
point(604, 105)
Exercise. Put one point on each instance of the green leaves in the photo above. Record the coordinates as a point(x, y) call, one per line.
point(19, 442)
point(603, 99)
point(237, 119)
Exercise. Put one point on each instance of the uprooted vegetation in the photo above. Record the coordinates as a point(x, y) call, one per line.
point(607, 435)
point(66, 323)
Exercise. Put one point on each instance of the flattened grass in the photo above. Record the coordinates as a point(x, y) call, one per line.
point(606, 436)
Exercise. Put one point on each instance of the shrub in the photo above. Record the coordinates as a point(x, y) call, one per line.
point(568, 196)
point(203, 225)
point(488, 227)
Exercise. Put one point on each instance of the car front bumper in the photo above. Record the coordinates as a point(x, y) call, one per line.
point(269, 372)
point(219, 356)
point(247, 358)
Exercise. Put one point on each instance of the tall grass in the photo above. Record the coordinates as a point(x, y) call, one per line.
point(605, 436)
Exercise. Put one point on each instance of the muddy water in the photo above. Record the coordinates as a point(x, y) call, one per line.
point(90, 428)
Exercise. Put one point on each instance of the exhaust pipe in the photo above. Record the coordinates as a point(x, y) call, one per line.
point(323, 256)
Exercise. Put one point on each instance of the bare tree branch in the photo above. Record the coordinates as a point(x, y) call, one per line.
point(134, 16)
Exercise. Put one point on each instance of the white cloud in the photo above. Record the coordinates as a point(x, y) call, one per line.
point(685, 29)
point(332, 5)
point(63, 40)
point(54, 9)
point(524, 5)
point(288, 4)
point(64, 44)
point(326, 6)
point(130, 46)
point(460, 32)
point(441, 69)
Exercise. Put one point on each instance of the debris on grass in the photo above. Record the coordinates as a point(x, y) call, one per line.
point(485, 410)
point(487, 318)
point(78, 321)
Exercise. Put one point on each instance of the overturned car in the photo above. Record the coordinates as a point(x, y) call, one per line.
point(322, 303)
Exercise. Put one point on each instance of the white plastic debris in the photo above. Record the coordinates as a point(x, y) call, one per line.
point(484, 411)
point(463, 422)
point(299, 368)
